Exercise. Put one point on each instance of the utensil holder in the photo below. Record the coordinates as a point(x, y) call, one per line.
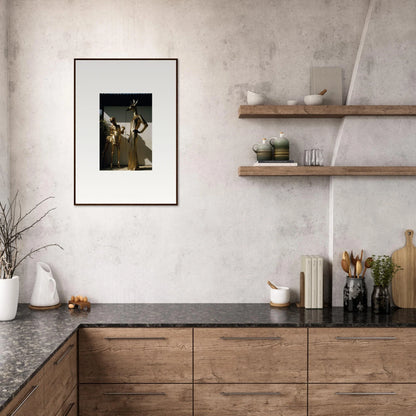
point(355, 294)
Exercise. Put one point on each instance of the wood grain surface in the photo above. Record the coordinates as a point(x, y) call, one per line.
point(250, 399)
point(362, 355)
point(135, 355)
point(250, 355)
point(30, 399)
point(327, 171)
point(135, 399)
point(323, 111)
point(324, 400)
point(60, 376)
point(404, 282)
point(70, 406)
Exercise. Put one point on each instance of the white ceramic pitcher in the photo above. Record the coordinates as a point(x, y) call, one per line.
point(44, 291)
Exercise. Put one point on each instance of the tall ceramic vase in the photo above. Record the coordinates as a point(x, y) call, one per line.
point(9, 296)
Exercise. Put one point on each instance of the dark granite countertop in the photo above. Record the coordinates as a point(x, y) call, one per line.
point(32, 338)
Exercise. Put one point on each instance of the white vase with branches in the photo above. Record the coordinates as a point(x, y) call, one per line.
point(13, 224)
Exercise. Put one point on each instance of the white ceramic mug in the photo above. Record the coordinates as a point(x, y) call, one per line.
point(280, 296)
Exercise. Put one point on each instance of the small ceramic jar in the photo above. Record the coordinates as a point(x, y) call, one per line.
point(280, 147)
point(263, 150)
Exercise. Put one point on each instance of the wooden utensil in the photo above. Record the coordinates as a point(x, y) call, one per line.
point(358, 267)
point(367, 265)
point(271, 284)
point(404, 281)
point(323, 92)
point(345, 266)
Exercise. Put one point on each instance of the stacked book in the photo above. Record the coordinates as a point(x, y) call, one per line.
point(312, 269)
point(276, 163)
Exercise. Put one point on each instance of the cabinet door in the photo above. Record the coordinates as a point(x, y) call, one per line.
point(362, 399)
point(250, 399)
point(362, 355)
point(70, 406)
point(60, 376)
point(135, 355)
point(135, 399)
point(250, 355)
point(29, 401)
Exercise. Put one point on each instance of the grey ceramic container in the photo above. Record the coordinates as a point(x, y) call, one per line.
point(263, 151)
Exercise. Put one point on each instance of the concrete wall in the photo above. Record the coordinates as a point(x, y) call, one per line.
point(229, 234)
point(4, 108)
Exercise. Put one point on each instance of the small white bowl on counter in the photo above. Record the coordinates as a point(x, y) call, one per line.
point(280, 297)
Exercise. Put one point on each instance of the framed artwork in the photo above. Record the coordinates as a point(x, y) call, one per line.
point(125, 131)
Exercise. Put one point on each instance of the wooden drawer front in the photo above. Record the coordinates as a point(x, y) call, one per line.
point(135, 355)
point(362, 355)
point(135, 399)
point(250, 355)
point(70, 406)
point(250, 399)
point(60, 376)
point(29, 401)
point(362, 399)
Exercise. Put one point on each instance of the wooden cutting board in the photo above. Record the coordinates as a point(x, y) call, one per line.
point(404, 282)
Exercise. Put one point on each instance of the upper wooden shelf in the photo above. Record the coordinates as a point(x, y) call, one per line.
point(327, 171)
point(323, 111)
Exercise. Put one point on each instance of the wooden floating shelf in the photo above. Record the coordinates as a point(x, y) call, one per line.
point(323, 111)
point(327, 171)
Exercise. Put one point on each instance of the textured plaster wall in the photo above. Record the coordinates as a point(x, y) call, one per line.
point(229, 234)
point(4, 110)
point(373, 213)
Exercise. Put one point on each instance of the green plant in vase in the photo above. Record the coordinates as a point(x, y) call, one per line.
point(383, 270)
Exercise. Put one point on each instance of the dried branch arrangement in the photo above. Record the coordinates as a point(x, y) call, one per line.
point(13, 224)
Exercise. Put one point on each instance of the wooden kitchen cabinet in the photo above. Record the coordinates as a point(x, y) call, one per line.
point(250, 399)
point(135, 355)
point(70, 405)
point(29, 401)
point(250, 355)
point(362, 399)
point(362, 355)
point(135, 399)
point(60, 376)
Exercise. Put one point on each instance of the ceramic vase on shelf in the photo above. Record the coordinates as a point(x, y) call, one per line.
point(9, 296)
point(263, 151)
point(280, 147)
point(380, 300)
point(355, 294)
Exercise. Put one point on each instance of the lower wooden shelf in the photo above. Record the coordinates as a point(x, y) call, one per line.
point(327, 171)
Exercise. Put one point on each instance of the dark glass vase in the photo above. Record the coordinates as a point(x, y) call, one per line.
point(355, 294)
point(380, 300)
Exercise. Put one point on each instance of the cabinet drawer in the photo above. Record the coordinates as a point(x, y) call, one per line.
point(250, 399)
point(362, 399)
point(362, 355)
point(60, 376)
point(135, 399)
point(135, 355)
point(250, 355)
point(29, 401)
point(70, 406)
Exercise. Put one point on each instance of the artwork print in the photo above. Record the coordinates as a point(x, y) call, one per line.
point(126, 131)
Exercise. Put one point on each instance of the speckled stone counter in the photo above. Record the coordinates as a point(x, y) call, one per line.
point(31, 339)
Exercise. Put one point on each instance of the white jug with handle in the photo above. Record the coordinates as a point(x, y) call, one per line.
point(44, 292)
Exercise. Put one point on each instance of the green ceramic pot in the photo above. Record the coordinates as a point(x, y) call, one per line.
point(263, 151)
point(280, 147)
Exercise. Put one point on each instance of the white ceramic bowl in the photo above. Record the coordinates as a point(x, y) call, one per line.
point(291, 102)
point(315, 99)
point(253, 98)
point(281, 295)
